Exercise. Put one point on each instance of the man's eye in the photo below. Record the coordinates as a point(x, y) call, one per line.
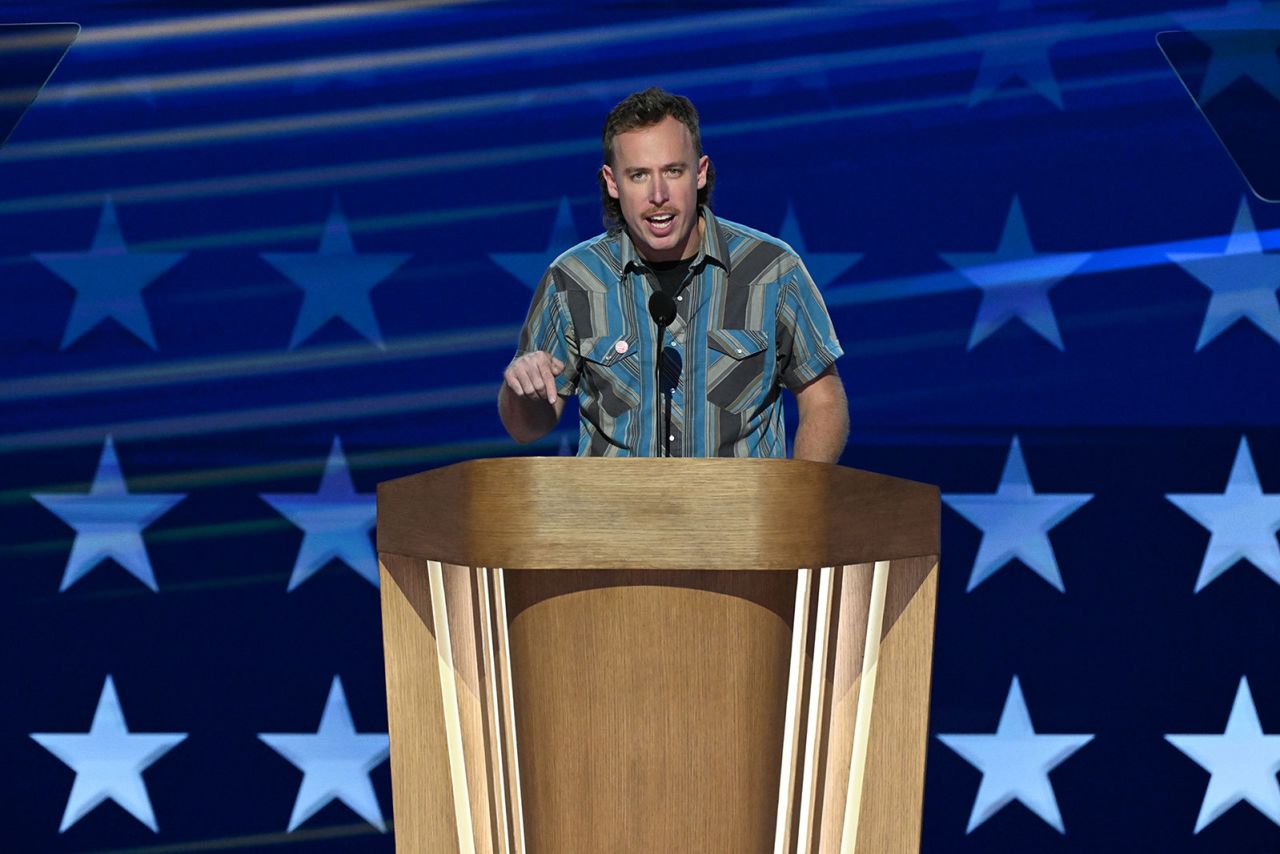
point(637, 176)
point(675, 171)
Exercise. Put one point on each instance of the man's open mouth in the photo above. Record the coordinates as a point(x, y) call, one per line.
point(660, 222)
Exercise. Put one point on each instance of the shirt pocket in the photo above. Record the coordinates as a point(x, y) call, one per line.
point(611, 363)
point(736, 368)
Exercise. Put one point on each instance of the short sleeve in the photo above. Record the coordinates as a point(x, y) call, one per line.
point(549, 328)
point(807, 342)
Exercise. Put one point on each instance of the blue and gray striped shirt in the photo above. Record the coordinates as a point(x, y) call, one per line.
point(749, 322)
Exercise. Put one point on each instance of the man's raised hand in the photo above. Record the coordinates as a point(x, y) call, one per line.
point(533, 376)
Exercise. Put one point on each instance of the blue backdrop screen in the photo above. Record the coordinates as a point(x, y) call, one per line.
point(255, 260)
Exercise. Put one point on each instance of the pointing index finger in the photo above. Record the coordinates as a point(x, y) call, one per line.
point(550, 382)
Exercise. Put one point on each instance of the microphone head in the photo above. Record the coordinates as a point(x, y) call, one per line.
point(662, 308)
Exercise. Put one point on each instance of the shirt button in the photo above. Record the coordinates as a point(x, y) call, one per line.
point(671, 438)
point(680, 298)
point(739, 351)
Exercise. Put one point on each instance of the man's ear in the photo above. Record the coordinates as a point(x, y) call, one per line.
point(609, 183)
point(702, 171)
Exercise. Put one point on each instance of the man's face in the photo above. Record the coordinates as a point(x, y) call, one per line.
point(656, 177)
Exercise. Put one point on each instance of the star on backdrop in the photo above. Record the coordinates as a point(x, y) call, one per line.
point(108, 521)
point(1219, 28)
point(336, 281)
point(108, 761)
point(1016, 55)
point(335, 521)
point(108, 280)
point(1242, 522)
point(528, 267)
point(823, 267)
point(335, 762)
point(1015, 522)
point(1015, 281)
point(1242, 762)
point(795, 81)
point(1242, 280)
point(1015, 762)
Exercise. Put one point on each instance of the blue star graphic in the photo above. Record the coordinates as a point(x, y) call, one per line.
point(815, 80)
point(1015, 762)
point(1242, 762)
point(1015, 281)
point(335, 762)
point(336, 281)
point(108, 280)
point(335, 521)
point(108, 521)
point(1232, 56)
point(1242, 521)
point(823, 267)
point(528, 267)
point(108, 761)
point(1018, 55)
point(1242, 280)
point(1015, 522)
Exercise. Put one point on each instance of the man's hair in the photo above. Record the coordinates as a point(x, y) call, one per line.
point(642, 110)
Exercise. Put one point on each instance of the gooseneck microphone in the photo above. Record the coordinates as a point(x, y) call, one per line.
point(662, 308)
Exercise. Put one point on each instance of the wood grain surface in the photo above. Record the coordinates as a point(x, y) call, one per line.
point(649, 716)
point(640, 513)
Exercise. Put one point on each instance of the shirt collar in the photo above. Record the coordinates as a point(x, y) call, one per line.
point(711, 247)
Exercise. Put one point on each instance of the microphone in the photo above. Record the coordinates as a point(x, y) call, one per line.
point(662, 308)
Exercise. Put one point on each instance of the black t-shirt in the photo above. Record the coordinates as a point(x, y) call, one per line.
point(671, 274)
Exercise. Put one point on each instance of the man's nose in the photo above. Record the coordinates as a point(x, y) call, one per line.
point(658, 191)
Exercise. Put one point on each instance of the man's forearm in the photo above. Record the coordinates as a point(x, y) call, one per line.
point(526, 420)
point(821, 434)
point(823, 427)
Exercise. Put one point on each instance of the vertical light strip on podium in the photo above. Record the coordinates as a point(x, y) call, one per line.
point(815, 729)
point(866, 698)
point(502, 682)
point(791, 729)
point(452, 714)
point(493, 716)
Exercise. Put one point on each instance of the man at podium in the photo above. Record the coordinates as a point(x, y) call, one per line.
point(677, 330)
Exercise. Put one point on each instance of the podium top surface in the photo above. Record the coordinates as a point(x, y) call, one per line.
point(646, 513)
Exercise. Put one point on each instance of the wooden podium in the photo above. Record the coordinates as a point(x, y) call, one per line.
point(655, 655)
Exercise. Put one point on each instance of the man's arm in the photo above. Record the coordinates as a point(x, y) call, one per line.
point(527, 402)
point(823, 428)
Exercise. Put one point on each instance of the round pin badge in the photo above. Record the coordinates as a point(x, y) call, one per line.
point(620, 347)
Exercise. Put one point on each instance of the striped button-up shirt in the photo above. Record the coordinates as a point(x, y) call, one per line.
point(749, 321)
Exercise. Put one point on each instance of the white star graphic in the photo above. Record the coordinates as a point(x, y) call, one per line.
point(336, 281)
point(108, 280)
point(335, 521)
point(823, 267)
point(1015, 522)
point(1015, 762)
point(1015, 281)
point(1242, 280)
point(1242, 521)
point(108, 521)
point(108, 761)
point(528, 267)
point(1242, 762)
point(335, 762)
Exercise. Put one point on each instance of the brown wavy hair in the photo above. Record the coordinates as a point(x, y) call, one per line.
point(642, 110)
